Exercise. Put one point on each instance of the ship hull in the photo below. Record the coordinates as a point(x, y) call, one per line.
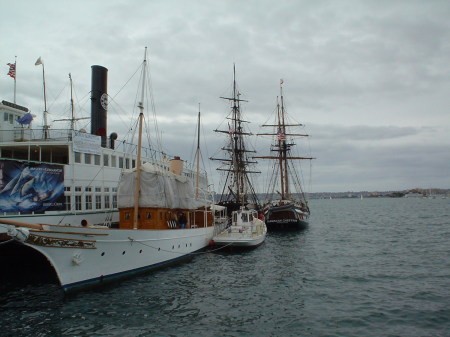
point(285, 218)
point(88, 257)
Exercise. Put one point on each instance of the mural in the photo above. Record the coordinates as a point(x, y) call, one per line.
point(31, 187)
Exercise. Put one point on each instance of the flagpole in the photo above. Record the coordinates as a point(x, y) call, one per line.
point(15, 76)
point(39, 62)
point(45, 105)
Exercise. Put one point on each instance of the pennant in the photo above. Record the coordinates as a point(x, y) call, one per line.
point(12, 70)
point(26, 119)
point(39, 61)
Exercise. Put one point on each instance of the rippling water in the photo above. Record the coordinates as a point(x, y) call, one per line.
point(371, 267)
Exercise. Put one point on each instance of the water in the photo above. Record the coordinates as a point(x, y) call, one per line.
point(371, 267)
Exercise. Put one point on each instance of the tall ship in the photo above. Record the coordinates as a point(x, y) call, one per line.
point(67, 176)
point(286, 206)
point(162, 220)
point(236, 164)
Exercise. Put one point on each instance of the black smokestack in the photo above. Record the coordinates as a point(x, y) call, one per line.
point(99, 102)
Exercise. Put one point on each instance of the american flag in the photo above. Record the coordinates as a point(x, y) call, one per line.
point(281, 136)
point(12, 70)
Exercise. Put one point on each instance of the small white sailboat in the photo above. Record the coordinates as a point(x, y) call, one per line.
point(246, 231)
point(161, 222)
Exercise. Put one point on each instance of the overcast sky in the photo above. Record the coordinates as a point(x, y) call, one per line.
point(369, 79)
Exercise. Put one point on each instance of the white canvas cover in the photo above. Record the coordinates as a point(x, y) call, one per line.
point(159, 188)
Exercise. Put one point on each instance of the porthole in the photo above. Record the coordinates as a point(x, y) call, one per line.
point(159, 249)
point(140, 252)
point(103, 254)
point(173, 247)
point(123, 253)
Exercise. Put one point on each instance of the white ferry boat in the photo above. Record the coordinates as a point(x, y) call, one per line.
point(64, 177)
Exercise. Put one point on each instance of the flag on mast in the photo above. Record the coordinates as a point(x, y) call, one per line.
point(39, 61)
point(12, 70)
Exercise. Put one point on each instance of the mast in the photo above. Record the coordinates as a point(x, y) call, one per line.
point(237, 187)
point(72, 120)
point(138, 160)
point(281, 146)
point(198, 154)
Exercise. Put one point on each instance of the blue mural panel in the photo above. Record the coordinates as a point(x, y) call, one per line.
point(31, 187)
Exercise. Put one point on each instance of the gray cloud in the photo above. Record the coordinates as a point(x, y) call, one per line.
point(369, 79)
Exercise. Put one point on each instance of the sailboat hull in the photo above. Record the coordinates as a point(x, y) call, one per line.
point(286, 217)
point(92, 256)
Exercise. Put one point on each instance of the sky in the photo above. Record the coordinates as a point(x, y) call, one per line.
point(370, 80)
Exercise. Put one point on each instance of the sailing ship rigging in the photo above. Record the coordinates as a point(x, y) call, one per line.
point(289, 210)
point(237, 189)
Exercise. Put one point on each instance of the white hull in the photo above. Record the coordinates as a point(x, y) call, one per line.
point(67, 218)
point(246, 231)
point(85, 257)
point(239, 241)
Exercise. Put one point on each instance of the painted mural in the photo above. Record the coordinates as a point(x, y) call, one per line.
point(31, 187)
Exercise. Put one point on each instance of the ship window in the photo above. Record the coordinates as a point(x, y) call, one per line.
point(78, 202)
point(88, 189)
point(148, 215)
point(133, 163)
point(120, 162)
point(244, 217)
point(77, 157)
point(87, 158)
point(5, 117)
point(107, 204)
point(114, 189)
point(106, 189)
point(88, 199)
point(98, 189)
point(113, 161)
point(98, 202)
point(67, 188)
point(127, 216)
point(106, 160)
point(127, 163)
point(77, 188)
point(67, 203)
point(96, 159)
point(114, 201)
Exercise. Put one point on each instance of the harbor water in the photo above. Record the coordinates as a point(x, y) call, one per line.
point(370, 267)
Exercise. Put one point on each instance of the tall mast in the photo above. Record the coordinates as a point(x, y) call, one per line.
point(281, 146)
point(237, 188)
point(138, 160)
point(72, 121)
point(284, 148)
point(198, 154)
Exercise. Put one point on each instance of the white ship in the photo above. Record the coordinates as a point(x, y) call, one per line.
point(163, 218)
point(64, 177)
